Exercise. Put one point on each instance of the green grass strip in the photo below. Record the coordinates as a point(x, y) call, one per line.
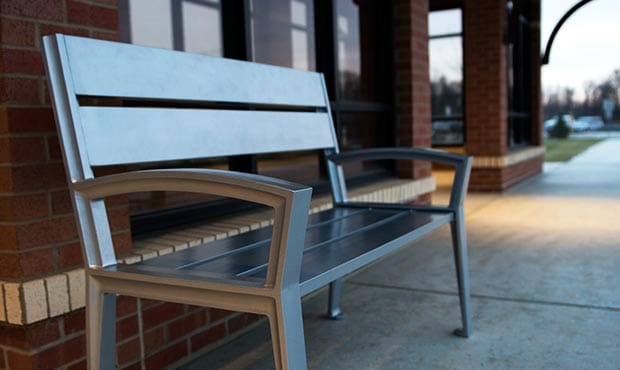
point(562, 150)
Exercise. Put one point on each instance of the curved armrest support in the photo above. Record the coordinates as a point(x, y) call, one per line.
point(290, 202)
point(461, 163)
point(250, 187)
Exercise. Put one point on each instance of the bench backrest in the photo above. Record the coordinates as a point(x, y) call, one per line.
point(183, 106)
point(290, 107)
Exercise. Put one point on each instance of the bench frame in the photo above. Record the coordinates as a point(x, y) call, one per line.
point(279, 296)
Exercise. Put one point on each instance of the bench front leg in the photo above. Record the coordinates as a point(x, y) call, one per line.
point(287, 331)
point(100, 326)
point(459, 244)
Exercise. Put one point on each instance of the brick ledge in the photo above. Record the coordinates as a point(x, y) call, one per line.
point(39, 299)
point(512, 158)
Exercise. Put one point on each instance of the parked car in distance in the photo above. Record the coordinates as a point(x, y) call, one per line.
point(447, 132)
point(550, 123)
point(587, 123)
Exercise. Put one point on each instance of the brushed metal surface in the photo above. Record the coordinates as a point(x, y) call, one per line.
point(104, 68)
point(132, 135)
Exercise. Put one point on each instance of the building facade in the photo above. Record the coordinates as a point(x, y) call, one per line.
point(461, 75)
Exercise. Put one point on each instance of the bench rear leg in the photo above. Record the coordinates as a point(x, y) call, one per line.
point(333, 309)
point(101, 327)
point(459, 244)
point(287, 333)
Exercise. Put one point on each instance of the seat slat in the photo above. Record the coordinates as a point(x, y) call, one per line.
point(322, 265)
point(322, 236)
point(113, 135)
point(355, 245)
point(190, 259)
point(333, 238)
point(103, 68)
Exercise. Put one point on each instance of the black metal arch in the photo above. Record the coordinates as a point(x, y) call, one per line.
point(545, 58)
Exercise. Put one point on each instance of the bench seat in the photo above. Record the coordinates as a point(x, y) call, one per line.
point(338, 241)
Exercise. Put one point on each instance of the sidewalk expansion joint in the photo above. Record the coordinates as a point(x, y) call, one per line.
point(488, 297)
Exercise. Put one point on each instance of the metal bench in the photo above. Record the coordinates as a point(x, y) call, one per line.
point(264, 271)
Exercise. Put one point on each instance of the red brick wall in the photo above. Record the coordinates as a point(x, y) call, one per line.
point(498, 179)
point(171, 332)
point(38, 234)
point(486, 99)
point(412, 80)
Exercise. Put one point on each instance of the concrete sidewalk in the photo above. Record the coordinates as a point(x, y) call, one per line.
point(545, 279)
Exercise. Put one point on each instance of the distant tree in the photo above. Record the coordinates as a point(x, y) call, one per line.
point(562, 100)
point(561, 130)
point(447, 97)
point(569, 95)
point(606, 89)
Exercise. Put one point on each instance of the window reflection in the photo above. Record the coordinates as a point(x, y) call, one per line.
point(446, 72)
point(363, 130)
point(283, 33)
point(445, 22)
point(446, 61)
point(201, 28)
point(356, 60)
point(349, 64)
point(302, 167)
point(150, 23)
point(189, 25)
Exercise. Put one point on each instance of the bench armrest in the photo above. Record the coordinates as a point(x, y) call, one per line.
point(190, 180)
point(290, 202)
point(461, 163)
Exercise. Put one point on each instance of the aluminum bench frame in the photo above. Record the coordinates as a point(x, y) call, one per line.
point(266, 271)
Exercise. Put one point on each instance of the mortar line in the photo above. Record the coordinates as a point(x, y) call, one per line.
point(490, 297)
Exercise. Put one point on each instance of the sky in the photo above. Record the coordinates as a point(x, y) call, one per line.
point(587, 47)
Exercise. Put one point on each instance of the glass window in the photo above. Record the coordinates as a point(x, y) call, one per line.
point(201, 27)
point(445, 22)
point(301, 167)
point(446, 61)
point(283, 33)
point(150, 23)
point(446, 72)
point(356, 59)
point(189, 25)
point(361, 102)
point(349, 63)
point(363, 130)
point(519, 75)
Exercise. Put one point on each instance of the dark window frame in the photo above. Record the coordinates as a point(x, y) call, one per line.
point(519, 75)
point(327, 62)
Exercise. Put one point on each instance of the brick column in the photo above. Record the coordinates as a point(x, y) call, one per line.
point(486, 99)
point(413, 88)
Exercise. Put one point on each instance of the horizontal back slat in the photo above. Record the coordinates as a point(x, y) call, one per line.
point(103, 68)
point(116, 135)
